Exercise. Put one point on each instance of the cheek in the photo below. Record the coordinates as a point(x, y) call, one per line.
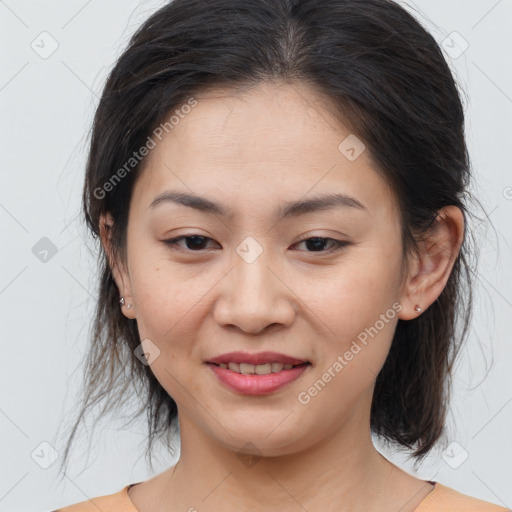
point(355, 292)
point(171, 301)
point(168, 313)
point(163, 292)
point(359, 310)
point(167, 308)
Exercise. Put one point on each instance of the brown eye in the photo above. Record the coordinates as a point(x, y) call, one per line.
point(193, 243)
point(316, 243)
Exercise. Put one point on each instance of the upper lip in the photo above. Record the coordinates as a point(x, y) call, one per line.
point(258, 358)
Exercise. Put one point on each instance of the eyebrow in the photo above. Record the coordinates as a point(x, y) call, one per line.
point(290, 209)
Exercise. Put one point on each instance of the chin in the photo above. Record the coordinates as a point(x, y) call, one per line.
point(265, 440)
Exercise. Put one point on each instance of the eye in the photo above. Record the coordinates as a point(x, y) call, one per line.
point(195, 243)
point(317, 242)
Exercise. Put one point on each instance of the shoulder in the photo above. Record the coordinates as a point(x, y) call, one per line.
point(443, 498)
point(116, 502)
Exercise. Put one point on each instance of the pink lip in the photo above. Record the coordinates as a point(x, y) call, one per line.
point(257, 384)
point(258, 358)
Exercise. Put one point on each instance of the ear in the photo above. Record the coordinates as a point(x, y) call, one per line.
point(430, 270)
point(120, 275)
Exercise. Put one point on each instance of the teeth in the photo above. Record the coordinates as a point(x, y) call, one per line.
point(262, 369)
point(234, 367)
point(258, 369)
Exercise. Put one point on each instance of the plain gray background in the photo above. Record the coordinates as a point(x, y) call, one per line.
point(54, 60)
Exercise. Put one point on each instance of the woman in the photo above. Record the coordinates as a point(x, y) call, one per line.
point(278, 190)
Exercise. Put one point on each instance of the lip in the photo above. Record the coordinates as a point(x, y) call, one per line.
point(257, 384)
point(258, 358)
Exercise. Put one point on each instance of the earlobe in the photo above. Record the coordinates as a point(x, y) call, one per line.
point(119, 275)
point(429, 272)
point(128, 305)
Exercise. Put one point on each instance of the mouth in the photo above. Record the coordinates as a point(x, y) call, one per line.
point(260, 373)
point(258, 369)
point(259, 379)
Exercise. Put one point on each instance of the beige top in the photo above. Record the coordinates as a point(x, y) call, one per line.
point(440, 499)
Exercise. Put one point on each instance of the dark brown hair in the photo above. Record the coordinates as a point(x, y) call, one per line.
point(386, 77)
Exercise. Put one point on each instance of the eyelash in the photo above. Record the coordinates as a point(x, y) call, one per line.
point(338, 244)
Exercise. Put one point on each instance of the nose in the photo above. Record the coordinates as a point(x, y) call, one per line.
point(253, 297)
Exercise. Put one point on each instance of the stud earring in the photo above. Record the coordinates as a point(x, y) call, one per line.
point(122, 302)
point(417, 308)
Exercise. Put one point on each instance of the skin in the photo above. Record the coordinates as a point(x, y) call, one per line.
point(253, 151)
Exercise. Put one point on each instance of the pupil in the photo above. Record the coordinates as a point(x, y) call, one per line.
point(317, 243)
point(197, 242)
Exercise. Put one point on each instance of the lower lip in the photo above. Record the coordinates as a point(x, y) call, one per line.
point(257, 384)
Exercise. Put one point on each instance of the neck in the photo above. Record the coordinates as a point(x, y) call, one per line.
point(341, 467)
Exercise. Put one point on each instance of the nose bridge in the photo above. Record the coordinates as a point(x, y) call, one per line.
point(251, 269)
point(254, 296)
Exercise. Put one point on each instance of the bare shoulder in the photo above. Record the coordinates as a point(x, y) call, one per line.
point(442, 497)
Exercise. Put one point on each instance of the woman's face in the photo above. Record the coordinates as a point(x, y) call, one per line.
point(251, 283)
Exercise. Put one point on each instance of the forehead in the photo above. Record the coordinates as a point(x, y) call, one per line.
point(261, 145)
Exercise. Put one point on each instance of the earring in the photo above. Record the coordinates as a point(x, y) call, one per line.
point(121, 301)
point(417, 308)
